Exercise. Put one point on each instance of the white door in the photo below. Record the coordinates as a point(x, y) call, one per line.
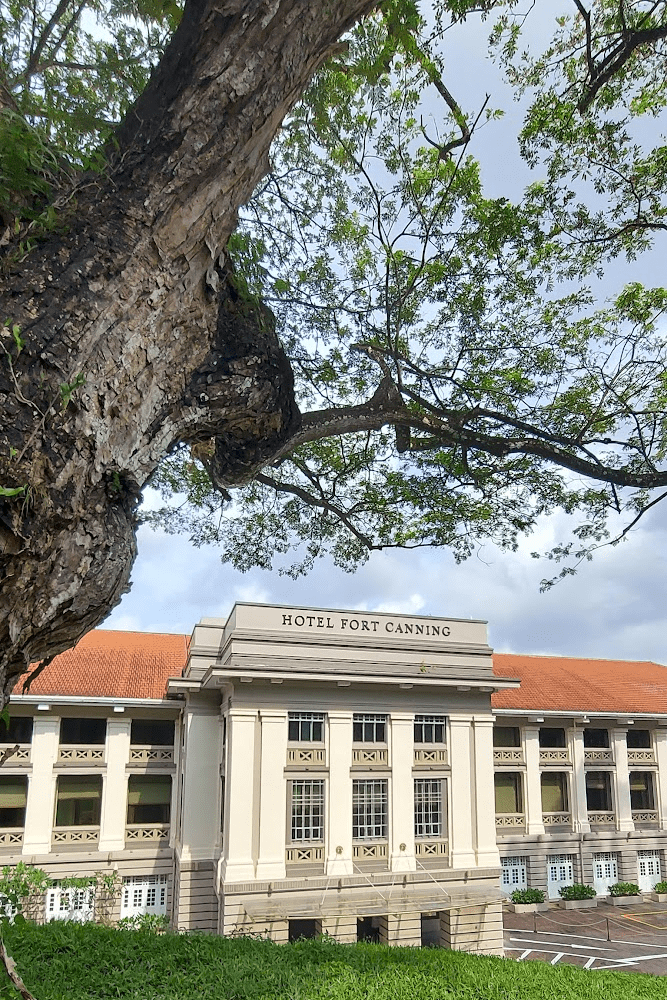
point(560, 872)
point(648, 866)
point(605, 872)
point(144, 894)
point(70, 904)
point(513, 874)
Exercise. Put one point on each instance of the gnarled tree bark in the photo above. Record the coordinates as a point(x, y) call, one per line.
point(133, 335)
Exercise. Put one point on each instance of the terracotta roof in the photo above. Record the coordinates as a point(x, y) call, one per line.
point(109, 664)
point(563, 683)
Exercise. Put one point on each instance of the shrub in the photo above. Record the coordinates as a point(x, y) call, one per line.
point(20, 887)
point(156, 923)
point(578, 891)
point(624, 889)
point(660, 887)
point(527, 896)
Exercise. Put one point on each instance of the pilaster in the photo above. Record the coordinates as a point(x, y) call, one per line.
point(580, 822)
point(661, 757)
point(40, 806)
point(339, 805)
point(462, 782)
point(623, 805)
point(114, 794)
point(240, 781)
point(534, 821)
point(272, 795)
point(402, 828)
point(485, 806)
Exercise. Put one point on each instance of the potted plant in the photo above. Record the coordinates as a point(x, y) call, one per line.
point(659, 892)
point(578, 896)
point(527, 900)
point(624, 893)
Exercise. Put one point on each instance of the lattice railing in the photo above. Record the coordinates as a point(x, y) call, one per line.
point(556, 818)
point(431, 848)
point(510, 820)
point(76, 834)
point(147, 832)
point(641, 757)
point(152, 755)
point(362, 852)
point(598, 756)
point(11, 838)
point(602, 818)
point(508, 756)
point(554, 756)
point(20, 756)
point(305, 855)
point(645, 815)
point(80, 755)
point(424, 756)
point(371, 758)
point(306, 755)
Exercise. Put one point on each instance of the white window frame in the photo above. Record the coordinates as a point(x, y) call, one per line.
point(560, 872)
point(306, 812)
point(605, 871)
point(370, 798)
point(142, 894)
point(425, 729)
point(70, 904)
point(305, 722)
point(429, 812)
point(370, 723)
point(513, 873)
point(647, 878)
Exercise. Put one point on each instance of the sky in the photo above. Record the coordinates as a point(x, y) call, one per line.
point(614, 607)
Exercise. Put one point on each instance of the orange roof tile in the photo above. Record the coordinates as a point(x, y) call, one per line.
point(568, 684)
point(110, 664)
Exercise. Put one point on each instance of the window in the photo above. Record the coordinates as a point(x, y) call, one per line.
point(428, 808)
point(369, 809)
point(552, 738)
point(148, 798)
point(369, 728)
point(152, 732)
point(78, 800)
point(639, 739)
point(513, 873)
point(641, 790)
point(307, 810)
point(18, 731)
point(305, 727)
point(83, 731)
point(13, 797)
point(429, 729)
point(506, 736)
point(508, 792)
point(598, 791)
point(595, 739)
point(143, 894)
point(70, 904)
point(554, 792)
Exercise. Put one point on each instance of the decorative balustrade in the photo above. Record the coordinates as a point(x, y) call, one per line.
point(555, 756)
point(645, 816)
point(304, 855)
point(316, 756)
point(75, 834)
point(11, 837)
point(508, 756)
point(424, 757)
point(370, 758)
point(364, 852)
point(19, 756)
point(146, 832)
point(80, 755)
point(557, 818)
point(641, 757)
point(151, 755)
point(510, 820)
point(605, 818)
point(431, 848)
point(598, 757)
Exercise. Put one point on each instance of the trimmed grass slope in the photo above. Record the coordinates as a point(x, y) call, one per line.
point(61, 961)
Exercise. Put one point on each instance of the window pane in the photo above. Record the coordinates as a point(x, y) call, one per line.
point(641, 790)
point(598, 791)
point(83, 731)
point(639, 739)
point(305, 727)
point(428, 808)
point(429, 729)
point(369, 810)
point(508, 792)
point(149, 798)
point(554, 738)
point(554, 792)
point(596, 738)
point(13, 796)
point(152, 732)
point(307, 821)
point(506, 736)
point(368, 728)
point(78, 800)
point(19, 730)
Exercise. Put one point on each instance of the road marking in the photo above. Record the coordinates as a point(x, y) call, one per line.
point(525, 954)
point(634, 960)
point(584, 937)
point(590, 962)
point(554, 961)
point(558, 944)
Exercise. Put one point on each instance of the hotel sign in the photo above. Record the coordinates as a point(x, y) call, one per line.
point(358, 624)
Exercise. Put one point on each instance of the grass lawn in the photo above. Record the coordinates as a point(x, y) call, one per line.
point(63, 961)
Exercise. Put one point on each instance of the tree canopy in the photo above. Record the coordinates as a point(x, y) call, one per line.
point(378, 352)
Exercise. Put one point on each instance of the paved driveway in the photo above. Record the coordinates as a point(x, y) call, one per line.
point(606, 937)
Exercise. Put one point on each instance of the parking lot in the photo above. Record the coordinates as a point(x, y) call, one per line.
point(604, 937)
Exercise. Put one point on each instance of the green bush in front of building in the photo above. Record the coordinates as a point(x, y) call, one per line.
point(577, 891)
point(527, 896)
point(624, 889)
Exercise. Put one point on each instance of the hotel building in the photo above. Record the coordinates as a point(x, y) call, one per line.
point(296, 770)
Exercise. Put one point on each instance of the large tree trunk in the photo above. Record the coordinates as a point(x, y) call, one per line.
point(131, 302)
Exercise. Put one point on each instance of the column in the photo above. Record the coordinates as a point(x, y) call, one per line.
point(402, 829)
point(240, 782)
point(580, 822)
point(403, 929)
point(114, 796)
point(462, 780)
point(485, 798)
point(40, 807)
point(660, 736)
point(341, 929)
point(339, 821)
point(272, 795)
point(534, 822)
point(623, 805)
